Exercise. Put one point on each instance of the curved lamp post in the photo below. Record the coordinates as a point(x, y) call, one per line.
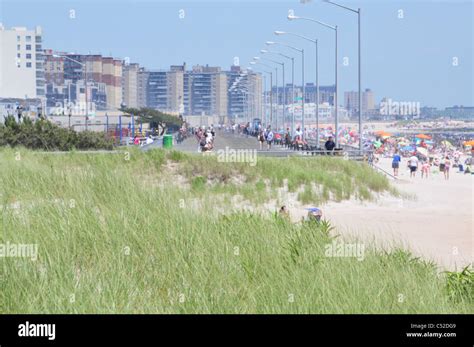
point(300, 50)
point(293, 17)
point(315, 41)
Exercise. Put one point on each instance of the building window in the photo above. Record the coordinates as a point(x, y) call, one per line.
point(18, 38)
point(28, 64)
point(28, 56)
point(28, 39)
point(28, 47)
point(18, 47)
point(18, 55)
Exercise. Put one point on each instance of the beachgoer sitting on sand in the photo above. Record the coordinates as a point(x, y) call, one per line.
point(314, 214)
point(284, 212)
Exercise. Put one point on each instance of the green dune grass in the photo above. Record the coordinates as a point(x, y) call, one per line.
point(115, 235)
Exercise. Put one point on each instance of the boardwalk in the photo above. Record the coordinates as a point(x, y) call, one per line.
point(224, 140)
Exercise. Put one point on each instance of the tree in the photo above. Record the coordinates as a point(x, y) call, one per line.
point(155, 118)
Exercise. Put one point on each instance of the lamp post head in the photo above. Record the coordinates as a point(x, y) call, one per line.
point(292, 17)
point(269, 43)
point(256, 58)
point(263, 51)
point(253, 63)
point(278, 32)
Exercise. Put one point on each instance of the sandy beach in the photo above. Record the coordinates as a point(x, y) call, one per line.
point(437, 224)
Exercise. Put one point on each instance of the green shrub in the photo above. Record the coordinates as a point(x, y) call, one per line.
point(44, 135)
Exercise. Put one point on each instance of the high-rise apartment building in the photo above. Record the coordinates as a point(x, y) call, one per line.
point(157, 90)
point(326, 94)
point(351, 101)
point(130, 85)
point(112, 77)
point(163, 90)
point(53, 67)
point(205, 91)
point(254, 85)
point(99, 73)
point(21, 63)
point(236, 97)
point(142, 84)
point(175, 82)
point(219, 95)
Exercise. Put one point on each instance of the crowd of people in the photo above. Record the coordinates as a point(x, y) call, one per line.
point(424, 154)
point(296, 142)
point(443, 163)
point(205, 137)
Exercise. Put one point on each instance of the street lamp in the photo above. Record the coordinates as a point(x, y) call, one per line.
point(284, 92)
point(271, 84)
point(269, 43)
point(315, 41)
point(358, 11)
point(263, 106)
point(263, 51)
point(85, 79)
point(293, 17)
point(257, 59)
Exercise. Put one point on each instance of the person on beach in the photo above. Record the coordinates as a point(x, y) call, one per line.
point(447, 165)
point(425, 169)
point(441, 166)
point(413, 165)
point(396, 163)
point(284, 212)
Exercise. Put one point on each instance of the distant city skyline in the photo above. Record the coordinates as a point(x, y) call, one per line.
point(420, 51)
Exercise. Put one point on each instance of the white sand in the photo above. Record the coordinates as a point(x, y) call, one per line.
point(438, 225)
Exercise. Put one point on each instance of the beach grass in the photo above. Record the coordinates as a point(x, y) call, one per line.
point(110, 243)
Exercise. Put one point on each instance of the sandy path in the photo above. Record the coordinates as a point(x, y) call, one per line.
point(437, 225)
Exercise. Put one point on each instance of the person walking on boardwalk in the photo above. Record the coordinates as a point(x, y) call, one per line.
point(269, 137)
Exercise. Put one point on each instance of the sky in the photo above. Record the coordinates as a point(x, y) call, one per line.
point(417, 51)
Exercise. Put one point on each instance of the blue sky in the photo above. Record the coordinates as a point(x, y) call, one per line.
point(406, 59)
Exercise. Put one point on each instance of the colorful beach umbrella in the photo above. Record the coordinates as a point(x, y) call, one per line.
point(422, 151)
point(382, 133)
point(469, 143)
point(423, 137)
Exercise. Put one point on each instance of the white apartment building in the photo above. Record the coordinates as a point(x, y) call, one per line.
point(21, 63)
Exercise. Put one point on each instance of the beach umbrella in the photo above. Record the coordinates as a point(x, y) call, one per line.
point(377, 144)
point(469, 143)
point(407, 148)
point(423, 137)
point(422, 151)
point(446, 143)
point(382, 133)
